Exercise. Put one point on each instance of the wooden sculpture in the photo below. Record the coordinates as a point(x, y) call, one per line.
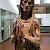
point(26, 28)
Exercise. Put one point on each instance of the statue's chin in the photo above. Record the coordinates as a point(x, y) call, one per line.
point(26, 11)
point(29, 9)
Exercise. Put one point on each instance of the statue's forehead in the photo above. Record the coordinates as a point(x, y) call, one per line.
point(27, 0)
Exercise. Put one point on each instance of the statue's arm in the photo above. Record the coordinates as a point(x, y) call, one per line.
point(14, 31)
point(36, 39)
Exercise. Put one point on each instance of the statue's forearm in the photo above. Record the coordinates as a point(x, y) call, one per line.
point(34, 40)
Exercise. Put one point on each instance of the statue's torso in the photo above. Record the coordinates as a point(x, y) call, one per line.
point(24, 44)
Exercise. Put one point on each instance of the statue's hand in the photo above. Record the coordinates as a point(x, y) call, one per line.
point(25, 35)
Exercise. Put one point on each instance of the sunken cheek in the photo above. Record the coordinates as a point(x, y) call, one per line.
point(27, 6)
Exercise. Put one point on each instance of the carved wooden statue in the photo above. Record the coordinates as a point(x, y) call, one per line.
point(26, 28)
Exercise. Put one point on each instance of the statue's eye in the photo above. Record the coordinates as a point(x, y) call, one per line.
point(29, 2)
point(25, 1)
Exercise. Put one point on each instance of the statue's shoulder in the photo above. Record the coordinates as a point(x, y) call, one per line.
point(37, 22)
point(17, 18)
point(15, 21)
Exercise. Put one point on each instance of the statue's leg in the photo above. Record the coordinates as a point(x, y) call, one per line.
point(16, 45)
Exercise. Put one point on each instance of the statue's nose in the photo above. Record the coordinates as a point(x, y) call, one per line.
point(26, 7)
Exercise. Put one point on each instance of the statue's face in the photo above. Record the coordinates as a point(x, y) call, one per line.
point(26, 5)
